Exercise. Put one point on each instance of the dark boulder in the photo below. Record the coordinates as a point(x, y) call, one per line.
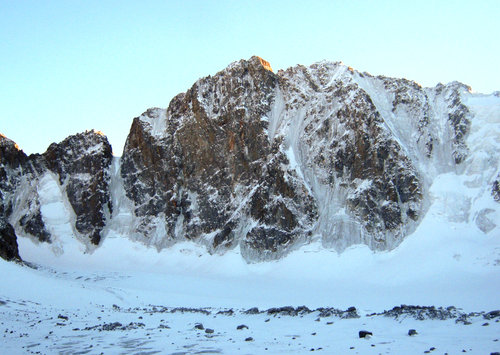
point(253, 310)
point(365, 334)
point(492, 314)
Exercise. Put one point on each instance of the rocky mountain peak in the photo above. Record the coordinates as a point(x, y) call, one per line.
point(260, 161)
point(10, 153)
point(81, 153)
point(236, 161)
point(11, 161)
point(268, 161)
point(77, 168)
point(82, 164)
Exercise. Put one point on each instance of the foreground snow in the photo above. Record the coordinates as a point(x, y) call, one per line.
point(103, 328)
point(122, 297)
point(78, 313)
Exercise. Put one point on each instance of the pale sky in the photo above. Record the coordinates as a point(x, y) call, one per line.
point(68, 66)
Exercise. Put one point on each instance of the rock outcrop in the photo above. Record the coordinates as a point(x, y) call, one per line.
point(11, 161)
point(495, 190)
point(265, 64)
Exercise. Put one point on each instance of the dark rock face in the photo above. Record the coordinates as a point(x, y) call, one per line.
point(459, 119)
point(268, 161)
point(27, 208)
point(8, 242)
point(12, 159)
point(359, 163)
point(210, 173)
point(82, 163)
point(10, 154)
point(33, 223)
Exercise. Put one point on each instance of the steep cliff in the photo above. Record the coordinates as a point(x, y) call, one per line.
point(63, 191)
point(266, 162)
point(11, 162)
point(270, 161)
point(206, 170)
point(82, 164)
point(8, 242)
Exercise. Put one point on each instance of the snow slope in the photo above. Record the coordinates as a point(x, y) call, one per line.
point(139, 287)
point(441, 264)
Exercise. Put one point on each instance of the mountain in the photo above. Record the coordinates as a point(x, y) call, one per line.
point(63, 191)
point(267, 162)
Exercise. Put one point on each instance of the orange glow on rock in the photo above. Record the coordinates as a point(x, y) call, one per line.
point(265, 64)
point(98, 132)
